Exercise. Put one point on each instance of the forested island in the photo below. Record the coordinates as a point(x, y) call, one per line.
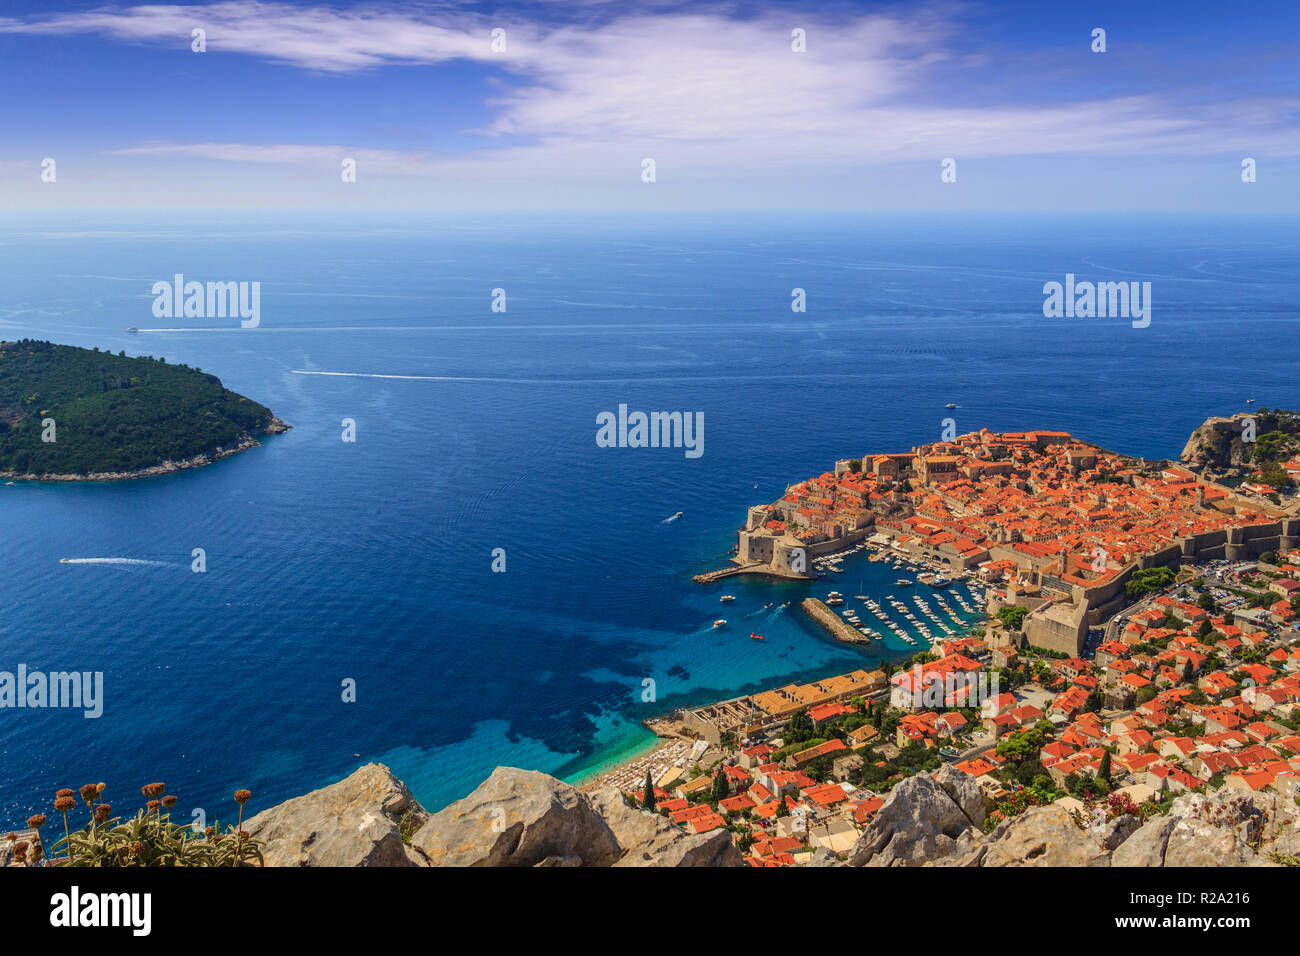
point(69, 414)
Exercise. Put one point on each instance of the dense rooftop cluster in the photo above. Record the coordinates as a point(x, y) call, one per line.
point(1041, 493)
point(1182, 699)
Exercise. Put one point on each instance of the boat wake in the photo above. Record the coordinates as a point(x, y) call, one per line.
point(118, 562)
point(671, 518)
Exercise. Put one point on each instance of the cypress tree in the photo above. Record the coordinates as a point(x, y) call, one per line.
point(720, 788)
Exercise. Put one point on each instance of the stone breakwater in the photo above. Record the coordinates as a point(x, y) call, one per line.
point(276, 427)
point(828, 619)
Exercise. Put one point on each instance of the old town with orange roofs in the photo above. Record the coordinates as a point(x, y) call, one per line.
point(1138, 642)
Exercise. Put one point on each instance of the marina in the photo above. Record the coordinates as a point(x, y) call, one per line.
point(902, 624)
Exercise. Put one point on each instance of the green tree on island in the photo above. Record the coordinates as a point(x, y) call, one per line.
point(113, 414)
point(648, 800)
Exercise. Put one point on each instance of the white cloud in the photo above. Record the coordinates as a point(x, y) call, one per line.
point(710, 95)
point(290, 154)
point(318, 38)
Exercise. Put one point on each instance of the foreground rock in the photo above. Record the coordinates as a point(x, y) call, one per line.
point(517, 818)
point(524, 818)
point(648, 839)
point(937, 821)
point(1222, 828)
point(921, 821)
point(1043, 836)
point(350, 823)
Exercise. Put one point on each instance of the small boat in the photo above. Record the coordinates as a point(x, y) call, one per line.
point(1250, 401)
point(132, 328)
point(757, 637)
point(727, 598)
point(951, 405)
point(720, 622)
point(903, 583)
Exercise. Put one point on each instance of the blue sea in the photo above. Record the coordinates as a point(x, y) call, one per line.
point(371, 561)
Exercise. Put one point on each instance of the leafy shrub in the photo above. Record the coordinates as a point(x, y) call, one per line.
point(150, 838)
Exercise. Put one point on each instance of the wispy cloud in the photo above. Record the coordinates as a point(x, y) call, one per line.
point(291, 154)
point(317, 38)
point(714, 88)
point(712, 95)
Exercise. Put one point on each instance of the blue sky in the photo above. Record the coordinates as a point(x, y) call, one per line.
point(586, 89)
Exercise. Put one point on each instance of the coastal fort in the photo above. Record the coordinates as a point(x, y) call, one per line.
point(1055, 525)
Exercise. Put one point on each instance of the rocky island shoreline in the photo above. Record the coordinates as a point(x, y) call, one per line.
point(244, 443)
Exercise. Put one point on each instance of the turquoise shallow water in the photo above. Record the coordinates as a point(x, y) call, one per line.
point(372, 561)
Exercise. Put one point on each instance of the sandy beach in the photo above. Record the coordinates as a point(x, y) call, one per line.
point(629, 775)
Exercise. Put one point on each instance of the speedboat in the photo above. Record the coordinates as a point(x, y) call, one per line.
point(757, 637)
point(727, 598)
point(720, 622)
point(951, 405)
point(903, 583)
point(132, 328)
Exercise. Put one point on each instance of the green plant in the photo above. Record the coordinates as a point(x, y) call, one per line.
point(408, 825)
point(150, 838)
point(1012, 616)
